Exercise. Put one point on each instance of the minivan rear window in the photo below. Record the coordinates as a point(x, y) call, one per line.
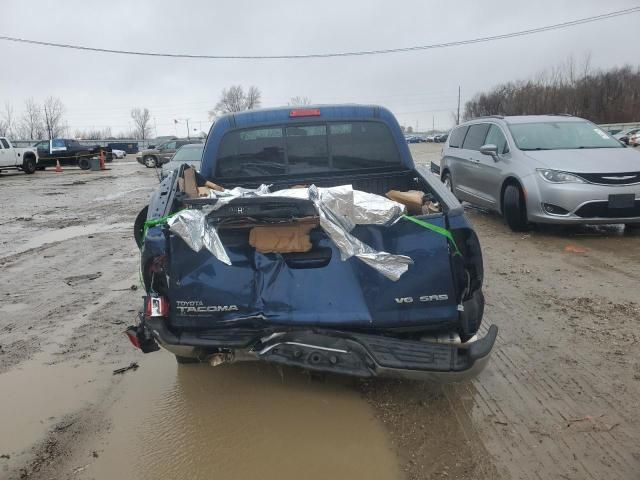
point(306, 148)
point(457, 137)
point(475, 136)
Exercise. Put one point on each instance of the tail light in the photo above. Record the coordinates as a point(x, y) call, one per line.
point(304, 112)
point(155, 306)
point(132, 335)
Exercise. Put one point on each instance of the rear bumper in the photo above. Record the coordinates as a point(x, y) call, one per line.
point(348, 353)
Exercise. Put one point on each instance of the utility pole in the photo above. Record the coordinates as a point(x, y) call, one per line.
point(188, 137)
point(458, 118)
point(433, 124)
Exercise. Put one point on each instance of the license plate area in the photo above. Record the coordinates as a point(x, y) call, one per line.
point(623, 200)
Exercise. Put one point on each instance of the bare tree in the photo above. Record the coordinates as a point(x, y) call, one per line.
point(53, 110)
point(253, 98)
point(142, 122)
point(6, 122)
point(298, 101)
point(234, 99)
point(31, 126)
point(94, 134)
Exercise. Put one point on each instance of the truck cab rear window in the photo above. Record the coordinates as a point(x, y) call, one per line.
point(306, 148)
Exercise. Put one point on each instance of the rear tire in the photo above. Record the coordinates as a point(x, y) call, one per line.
point(186, 360)
point(150, 161)
point(29, 165)
point(514, 208)
point(83, 163)
point(138, 226)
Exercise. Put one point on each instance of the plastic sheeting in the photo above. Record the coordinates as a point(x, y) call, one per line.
point(340, 209)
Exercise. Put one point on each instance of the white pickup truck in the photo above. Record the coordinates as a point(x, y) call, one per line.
point(15, 158)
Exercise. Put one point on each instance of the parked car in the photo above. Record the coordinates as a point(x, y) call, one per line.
point(571, 170)
point(431, 138)
point(624, 135)
point(153, 157)
point(441, 137)
point(118, 153)
point(128, 147)
point(190, 154)
point(15, 158)
point(160, 140)
point(68, 152)
point(315, 308)
point(412, 139)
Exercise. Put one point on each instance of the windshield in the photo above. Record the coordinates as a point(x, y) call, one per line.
point(306, 148)
point(561, 136)
point(188, 153)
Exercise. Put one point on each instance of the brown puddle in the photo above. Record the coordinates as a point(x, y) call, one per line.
point(35, 396)
point(237, 422)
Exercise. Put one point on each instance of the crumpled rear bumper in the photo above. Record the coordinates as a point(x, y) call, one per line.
point(348, 353)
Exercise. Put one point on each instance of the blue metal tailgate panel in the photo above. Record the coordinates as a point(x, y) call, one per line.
point(340, 294)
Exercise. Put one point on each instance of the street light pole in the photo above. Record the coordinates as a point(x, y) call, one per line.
point(188, 137)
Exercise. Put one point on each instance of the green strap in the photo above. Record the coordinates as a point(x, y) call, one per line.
point(156, 221)
point(147, 225)
point(435, 228)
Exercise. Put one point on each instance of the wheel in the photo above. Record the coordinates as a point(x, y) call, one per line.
point(448, 182)
point(29, 165)
point(447, 179)
point(138, 226)
point(150, 161)
point(184, 360)
point(514, 209)
point(83, 163)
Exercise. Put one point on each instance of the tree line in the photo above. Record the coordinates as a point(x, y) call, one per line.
point(609, 96)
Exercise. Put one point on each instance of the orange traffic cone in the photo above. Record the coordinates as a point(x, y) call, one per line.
point(58, 167)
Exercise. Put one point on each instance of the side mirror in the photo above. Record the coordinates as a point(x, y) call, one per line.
point(491, 150)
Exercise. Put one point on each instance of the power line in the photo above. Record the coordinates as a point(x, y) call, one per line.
point(521, 33)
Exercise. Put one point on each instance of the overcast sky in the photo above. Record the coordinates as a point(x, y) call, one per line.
point(99, 90)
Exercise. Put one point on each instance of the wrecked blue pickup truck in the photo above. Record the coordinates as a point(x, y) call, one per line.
point(309, 238)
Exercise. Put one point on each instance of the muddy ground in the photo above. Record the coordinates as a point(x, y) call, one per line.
point(558, 400)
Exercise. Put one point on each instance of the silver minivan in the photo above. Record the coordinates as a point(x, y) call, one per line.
point(543, 169)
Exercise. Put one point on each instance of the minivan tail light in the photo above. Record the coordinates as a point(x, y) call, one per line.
point(156, 306)
point(305, 112)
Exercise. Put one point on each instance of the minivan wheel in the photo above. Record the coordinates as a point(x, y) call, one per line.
point(514, 208)
point(446, 179)
point(150, 161)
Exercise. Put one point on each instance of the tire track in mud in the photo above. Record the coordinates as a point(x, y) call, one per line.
point(548, 413)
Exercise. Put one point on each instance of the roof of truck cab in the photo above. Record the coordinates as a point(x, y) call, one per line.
point(327, 112)
point(281, 116)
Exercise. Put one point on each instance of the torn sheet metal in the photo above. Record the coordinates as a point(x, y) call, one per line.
point(193, 228)
point(340, 209)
